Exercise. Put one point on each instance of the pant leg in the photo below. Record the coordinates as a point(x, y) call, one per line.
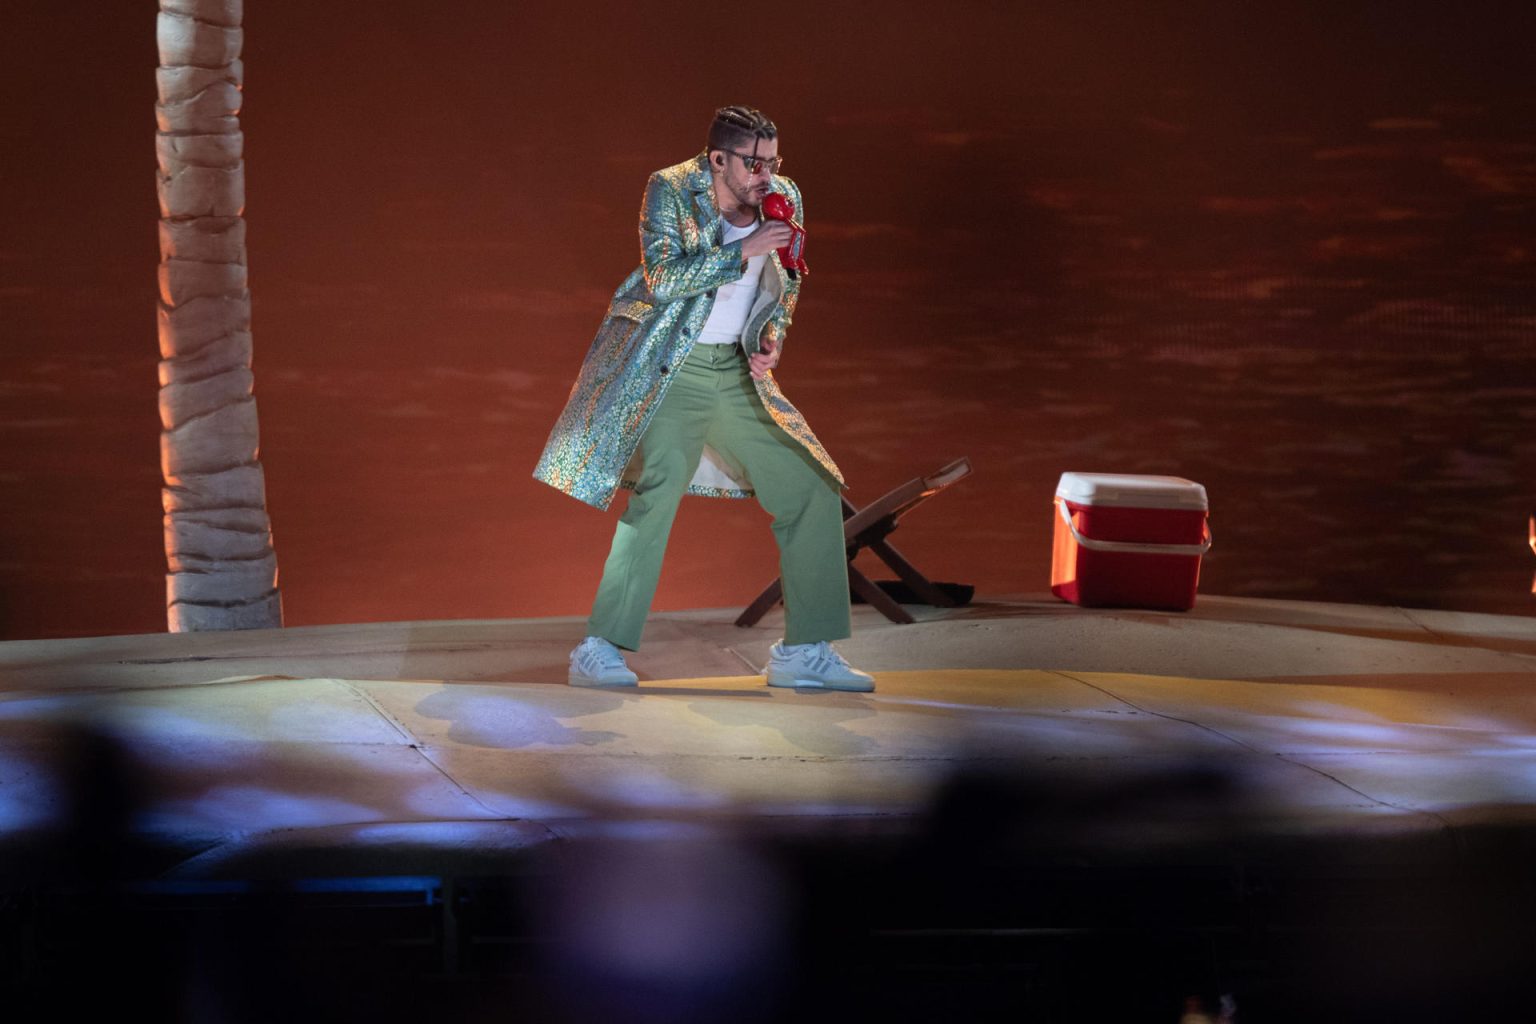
point(670, 449)
point(806, 506)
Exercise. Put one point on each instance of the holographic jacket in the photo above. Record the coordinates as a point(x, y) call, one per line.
point(651, 324)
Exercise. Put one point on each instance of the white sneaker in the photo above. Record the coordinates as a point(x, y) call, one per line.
point(814, 665)
point(596, 662)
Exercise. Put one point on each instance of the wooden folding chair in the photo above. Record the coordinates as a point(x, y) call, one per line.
point(868, 527)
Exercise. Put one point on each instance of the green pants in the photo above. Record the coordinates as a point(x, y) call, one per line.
point(712, 401)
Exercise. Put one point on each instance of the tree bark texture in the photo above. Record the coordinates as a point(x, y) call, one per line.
point(218, 539)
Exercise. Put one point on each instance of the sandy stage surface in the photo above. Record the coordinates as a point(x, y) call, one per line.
point(399, 738)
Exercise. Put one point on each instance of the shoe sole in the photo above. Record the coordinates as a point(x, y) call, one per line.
point(580, 680)
point(790, 682)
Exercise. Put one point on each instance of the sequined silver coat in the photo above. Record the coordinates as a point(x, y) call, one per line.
point(651, 325)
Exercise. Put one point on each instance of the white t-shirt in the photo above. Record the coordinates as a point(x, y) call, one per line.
point(733, 302)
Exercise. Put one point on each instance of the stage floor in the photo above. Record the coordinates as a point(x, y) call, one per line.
point(398, 748)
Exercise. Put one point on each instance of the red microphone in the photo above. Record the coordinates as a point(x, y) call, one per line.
point(779, 207)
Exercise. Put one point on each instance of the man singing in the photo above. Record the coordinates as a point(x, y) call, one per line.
point(677, 395)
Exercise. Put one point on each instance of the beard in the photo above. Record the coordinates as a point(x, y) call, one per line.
point(749, 195)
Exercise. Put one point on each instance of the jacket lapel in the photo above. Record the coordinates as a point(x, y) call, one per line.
point(706, 211)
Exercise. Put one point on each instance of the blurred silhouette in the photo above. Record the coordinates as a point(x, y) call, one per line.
point(1028, 891)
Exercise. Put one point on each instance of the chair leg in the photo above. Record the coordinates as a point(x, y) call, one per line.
point(875, 521)
point(758, 608)
point(920, 584)
point(877, 598)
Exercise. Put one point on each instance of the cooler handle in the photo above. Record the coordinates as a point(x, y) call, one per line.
point(1133, 548)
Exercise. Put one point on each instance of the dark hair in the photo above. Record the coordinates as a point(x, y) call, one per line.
point(737, 128)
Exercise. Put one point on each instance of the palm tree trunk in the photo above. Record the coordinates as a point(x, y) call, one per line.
point(218, 540)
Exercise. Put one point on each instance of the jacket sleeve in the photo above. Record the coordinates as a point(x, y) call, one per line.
point(675, 266)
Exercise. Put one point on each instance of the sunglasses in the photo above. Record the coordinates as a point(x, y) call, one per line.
point(756, 164)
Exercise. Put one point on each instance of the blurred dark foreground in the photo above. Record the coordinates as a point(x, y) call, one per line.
point(1021, 895)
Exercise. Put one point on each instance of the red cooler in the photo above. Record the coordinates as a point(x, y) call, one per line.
point(1129, 541)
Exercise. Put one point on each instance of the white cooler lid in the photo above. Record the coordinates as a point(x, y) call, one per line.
point(1128, 491)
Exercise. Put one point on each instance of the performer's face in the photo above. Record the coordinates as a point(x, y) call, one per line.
point(747, 186)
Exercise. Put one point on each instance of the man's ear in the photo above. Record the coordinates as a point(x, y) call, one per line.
point(717, 159)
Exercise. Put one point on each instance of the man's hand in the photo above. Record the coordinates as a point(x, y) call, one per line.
point(763, 360)
point(770, 235)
